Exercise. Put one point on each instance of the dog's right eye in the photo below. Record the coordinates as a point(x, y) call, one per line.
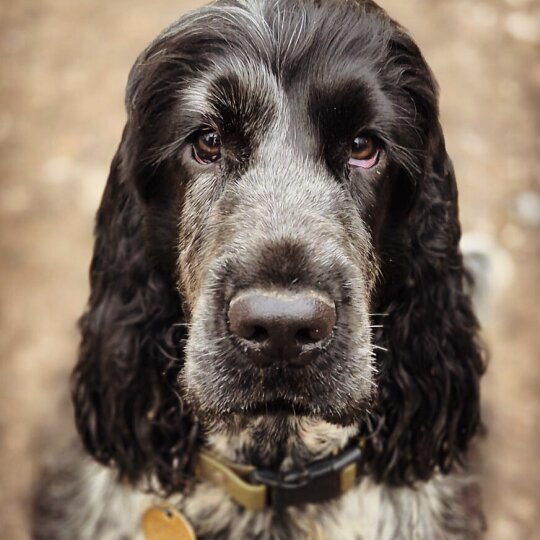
point(207, 147)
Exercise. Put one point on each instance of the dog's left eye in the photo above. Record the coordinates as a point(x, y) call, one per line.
point(364, 152)
point(207, 147)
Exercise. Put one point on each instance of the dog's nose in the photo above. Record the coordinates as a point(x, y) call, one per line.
point(281, 326)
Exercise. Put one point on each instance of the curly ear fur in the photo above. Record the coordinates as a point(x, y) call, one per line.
point(127, 409)
point(428, 408)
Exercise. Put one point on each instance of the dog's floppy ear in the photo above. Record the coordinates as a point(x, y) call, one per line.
point(428, 406)
point(128, 412)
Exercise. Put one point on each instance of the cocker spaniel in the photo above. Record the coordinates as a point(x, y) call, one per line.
point(277, 344)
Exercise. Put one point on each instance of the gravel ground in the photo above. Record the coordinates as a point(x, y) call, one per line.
point(64, 66)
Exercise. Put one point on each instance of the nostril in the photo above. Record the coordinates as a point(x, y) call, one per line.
point(244, 323)
point(259, 335)
point(305, 336)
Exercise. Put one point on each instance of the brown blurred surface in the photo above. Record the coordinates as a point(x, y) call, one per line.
point(64, 67)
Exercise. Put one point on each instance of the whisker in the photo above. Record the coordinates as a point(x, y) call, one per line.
point(372, 383)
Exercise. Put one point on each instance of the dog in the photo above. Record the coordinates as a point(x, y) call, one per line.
point(278, 342)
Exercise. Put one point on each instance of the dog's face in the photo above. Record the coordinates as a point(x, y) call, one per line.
point(287, 150)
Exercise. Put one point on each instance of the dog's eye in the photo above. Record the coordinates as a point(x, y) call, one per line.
point(364, 152)
point(207, 147)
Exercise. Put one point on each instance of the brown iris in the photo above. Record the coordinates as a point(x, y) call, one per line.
point(207, 147)
point(363, 148)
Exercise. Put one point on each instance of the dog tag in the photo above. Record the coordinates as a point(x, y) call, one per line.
point(166, 523)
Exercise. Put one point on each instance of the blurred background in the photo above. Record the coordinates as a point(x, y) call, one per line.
point(62, 77)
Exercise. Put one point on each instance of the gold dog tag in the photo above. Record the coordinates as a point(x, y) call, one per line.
point(166, 523)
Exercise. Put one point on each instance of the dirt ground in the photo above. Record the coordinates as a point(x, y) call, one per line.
point(64, 67)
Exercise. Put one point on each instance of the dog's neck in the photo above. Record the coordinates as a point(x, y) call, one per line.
point(280, 442)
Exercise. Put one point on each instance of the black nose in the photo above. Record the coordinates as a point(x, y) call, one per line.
point(281, 326)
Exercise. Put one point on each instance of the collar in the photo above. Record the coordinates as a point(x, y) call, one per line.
point(257, 489)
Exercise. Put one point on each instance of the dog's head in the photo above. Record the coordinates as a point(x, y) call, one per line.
point(279, 235)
